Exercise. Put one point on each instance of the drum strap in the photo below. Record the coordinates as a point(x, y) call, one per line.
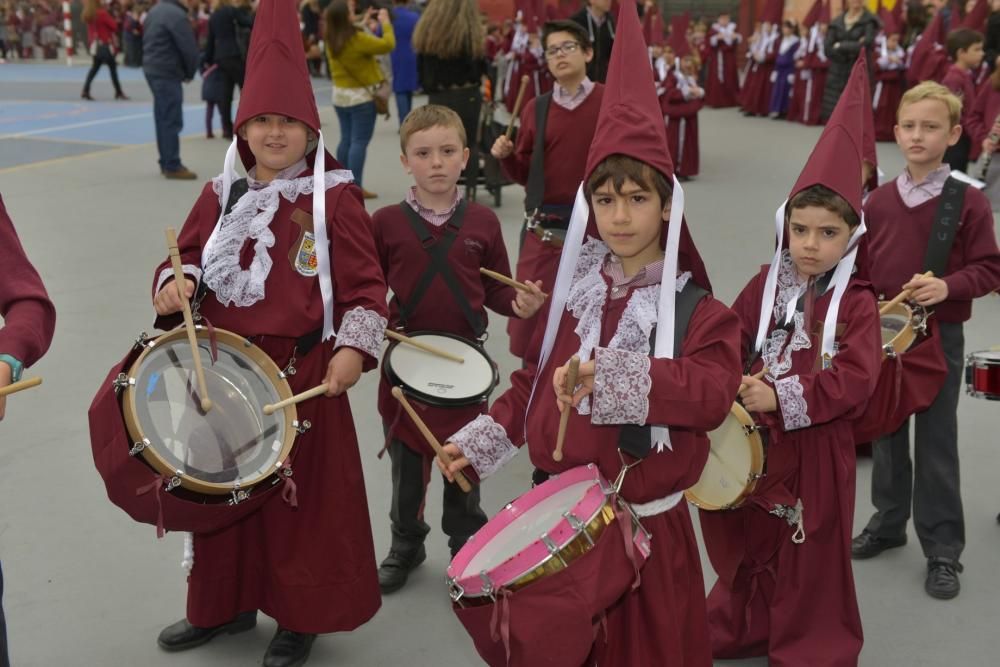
point(633, 439)
point(437, 254)
point(535, 188)
point(946, 222)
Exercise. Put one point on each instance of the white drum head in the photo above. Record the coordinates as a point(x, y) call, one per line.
point(527, 528)
point(730, 464)
point(443, 379)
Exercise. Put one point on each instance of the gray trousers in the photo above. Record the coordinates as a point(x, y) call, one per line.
point(931, 486)
point(411, 473)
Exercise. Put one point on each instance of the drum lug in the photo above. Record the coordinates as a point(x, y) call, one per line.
point(750, 430)
point(578, 526)
point(141, 342)
point(889, 350)
point(302, 426)
point(239, 495)
point(122, 381)
point(455, 590)
point(138, 447)
point(552, 547)
point(173, 482)
point(488, 588)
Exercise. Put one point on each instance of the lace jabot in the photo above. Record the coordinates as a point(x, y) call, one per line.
point(251, 219)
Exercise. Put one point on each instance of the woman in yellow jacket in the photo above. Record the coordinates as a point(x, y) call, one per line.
point(355, 72)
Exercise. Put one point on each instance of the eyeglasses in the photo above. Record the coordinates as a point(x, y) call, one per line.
point(565, 47)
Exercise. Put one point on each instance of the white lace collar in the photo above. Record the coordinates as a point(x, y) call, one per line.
point(251, 219)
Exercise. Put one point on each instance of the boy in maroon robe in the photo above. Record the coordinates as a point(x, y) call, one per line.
point(552, 175)
point(965, 49)
point(890, 69)
point(785, 587)
point(309, 562)
point(454, 301)
point(680, 103)
point(28, 323)
point(611, 295)
point(909, 235)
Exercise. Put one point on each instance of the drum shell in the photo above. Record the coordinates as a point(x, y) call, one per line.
point(906, 385)
point(982, 376)
point(552, 619)
point(125, 477)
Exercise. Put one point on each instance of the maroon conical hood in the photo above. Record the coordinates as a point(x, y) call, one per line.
point(773, 12)
point(890, 24)
point(678, 35)
point(812, 18)
point(929, 38)
point(869, 153)
point(824, 14)
point(277, 79)
point(976, 19)
point(631, 123)
point(836, 160)
point(652, 27)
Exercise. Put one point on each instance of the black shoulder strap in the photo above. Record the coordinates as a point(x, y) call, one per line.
point(236, 191)
point(634, 439)
point(946, 221)
point(437, 265)
point(535, 188)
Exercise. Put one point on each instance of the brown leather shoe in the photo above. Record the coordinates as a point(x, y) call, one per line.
point(182, 174)
point(368, 195)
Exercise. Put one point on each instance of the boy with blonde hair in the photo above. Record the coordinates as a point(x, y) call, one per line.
point(431, 247)
point(912, 231)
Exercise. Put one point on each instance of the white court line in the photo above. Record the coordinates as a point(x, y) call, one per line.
point(90, 123)
point(102, 121)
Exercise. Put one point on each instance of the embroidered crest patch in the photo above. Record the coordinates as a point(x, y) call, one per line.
point(305, 258)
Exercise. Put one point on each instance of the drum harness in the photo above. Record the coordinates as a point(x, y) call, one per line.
point(548, 223)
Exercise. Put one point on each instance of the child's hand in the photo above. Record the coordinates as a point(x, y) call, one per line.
point(502, 147)
point(988, 146)
point(458, 461)
point(927, 291)
point(527, 303)
point(166, 301)
point(5, 378)
point(584, 378)
point(343, 371)
point(758, 396)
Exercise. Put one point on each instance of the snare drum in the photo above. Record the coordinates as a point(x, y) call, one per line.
point(441, 382)
point(172, 464)
point(540, 533)
point(982, 375)
point(901, 326)
point(735, 463)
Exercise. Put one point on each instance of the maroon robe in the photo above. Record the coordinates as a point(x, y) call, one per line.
point(888, 93)
point(962, 82)
point(663, 621)
point(807, 93)
point(756, 93)
point(539, 80)
point(479, 244)
point(278, 560)
point(29, 318)
point(681, 116)
point(567, 139)
point(984, 113)
point(795, 603)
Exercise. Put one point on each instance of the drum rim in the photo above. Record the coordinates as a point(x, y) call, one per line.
point(756, 465)
point(153, 457)
point(904, 340)
point(431, 399)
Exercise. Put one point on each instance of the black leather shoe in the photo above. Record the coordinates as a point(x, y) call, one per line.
point(942, 577)
point(869, 545)
point(396, 567)
point(288, 649)
point(182, 635)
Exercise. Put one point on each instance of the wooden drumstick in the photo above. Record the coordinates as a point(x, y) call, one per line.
point(460, 479)
point(568, 387)
point(436, 351)
point(15, 387)
point(175, 259)
point(318, 390)
point(756, 376)
point(510, 282)
point(517, 105)
point(901, 297)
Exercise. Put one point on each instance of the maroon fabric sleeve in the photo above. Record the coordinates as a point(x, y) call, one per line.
point(518, 163)
point(29, 316)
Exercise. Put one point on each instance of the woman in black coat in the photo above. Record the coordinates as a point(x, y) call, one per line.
point(850, 32)
point(227, 40)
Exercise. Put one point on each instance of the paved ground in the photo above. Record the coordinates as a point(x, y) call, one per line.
point(88, 587)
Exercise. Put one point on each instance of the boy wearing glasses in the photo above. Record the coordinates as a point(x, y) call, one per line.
point(551, 151)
